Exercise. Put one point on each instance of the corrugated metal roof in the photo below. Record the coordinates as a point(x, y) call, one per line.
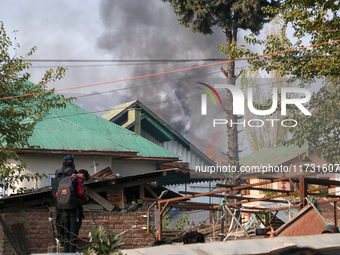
point(74, 128)
point(58, 134)
point(282, 214)
point(254, 246)
point(273, 156)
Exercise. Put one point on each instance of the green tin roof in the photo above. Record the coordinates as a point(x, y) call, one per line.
point(273, 156)
point(56, 133)
point(74, 128)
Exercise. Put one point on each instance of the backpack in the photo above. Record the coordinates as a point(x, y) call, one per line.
point(67, 194)
point(60, 174)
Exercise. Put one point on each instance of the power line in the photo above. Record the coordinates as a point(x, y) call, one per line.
point(128, 60)
point(174, 71)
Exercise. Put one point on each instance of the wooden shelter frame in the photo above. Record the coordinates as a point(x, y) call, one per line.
point(304, 192)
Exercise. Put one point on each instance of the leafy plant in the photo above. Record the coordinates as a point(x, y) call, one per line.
point(178, 226)
point(22, 105)
point(104, 245)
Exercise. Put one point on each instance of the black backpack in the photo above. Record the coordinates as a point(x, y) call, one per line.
point(67, 194)
point(60, 174)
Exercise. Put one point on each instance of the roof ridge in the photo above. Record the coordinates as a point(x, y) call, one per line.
point(126, 131)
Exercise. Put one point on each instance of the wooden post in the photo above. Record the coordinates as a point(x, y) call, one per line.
point(335, 218)
point(245, 232)
point(267, 219)
point(141, 191)
point(213, 221)
point(160, 225)
point(303, 192)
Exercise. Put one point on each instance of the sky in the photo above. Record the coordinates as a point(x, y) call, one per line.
point(115, 30)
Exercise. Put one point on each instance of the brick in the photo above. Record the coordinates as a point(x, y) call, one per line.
point(139, 222)
point(117, 222)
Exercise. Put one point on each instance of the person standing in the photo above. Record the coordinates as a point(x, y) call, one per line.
point(70, 197)
point(68, 168)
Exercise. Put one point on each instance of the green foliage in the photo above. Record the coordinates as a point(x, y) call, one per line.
point(179, 225)
point(20, 114)
point(202, 15)
point(322, 127)
point(102, 244)
point(317, 22)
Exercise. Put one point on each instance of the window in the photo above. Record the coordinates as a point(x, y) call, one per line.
point(50, 179)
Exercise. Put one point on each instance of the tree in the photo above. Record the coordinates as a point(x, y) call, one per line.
point(230, 16)
point(267, 136)
point(319, 21)
point(20, 114)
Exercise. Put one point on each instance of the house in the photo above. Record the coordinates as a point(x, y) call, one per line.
point(94, 143)
point(31, 214)
point(136, 117)
point(279, 162)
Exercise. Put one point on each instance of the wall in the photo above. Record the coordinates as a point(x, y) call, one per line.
point(39, 234)
point(48, 163)
point(132, 167)
point(177, 148)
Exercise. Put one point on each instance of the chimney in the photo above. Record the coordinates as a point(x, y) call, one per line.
point(134, 114)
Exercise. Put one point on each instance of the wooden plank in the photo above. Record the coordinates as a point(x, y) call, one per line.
point(258, 217)
point(139, 182)
point(40, 201)
point(335, 218)
point(234, 197)
point(322, 181)
point(275, 196)
point(273, 217)
point(295, 187)
point(100, 200)
point(235, 188)
point(116, 197)
point(10, 237)
point(232, 215)
point(93, 208)
point(151, 191)
point(141, 190)
point(254, 188)
point(303, 192)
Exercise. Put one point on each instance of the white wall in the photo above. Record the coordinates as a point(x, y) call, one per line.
point(173, 146)
point(47, 164)
point(132, 167)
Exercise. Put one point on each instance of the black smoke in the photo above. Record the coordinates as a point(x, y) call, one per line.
point(149, 30)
